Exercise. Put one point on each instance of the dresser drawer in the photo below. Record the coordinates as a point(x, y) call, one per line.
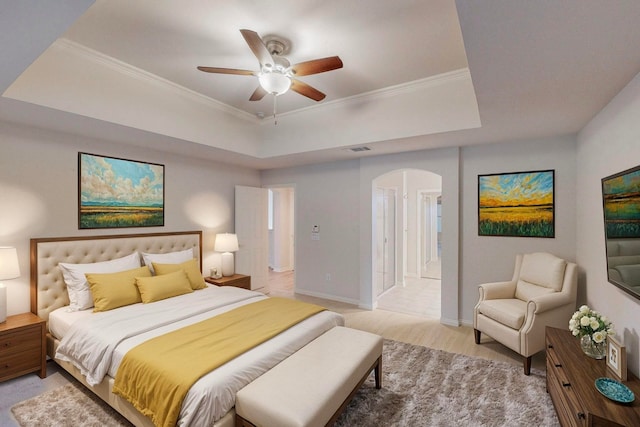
point(563, 397)
point(20, 340)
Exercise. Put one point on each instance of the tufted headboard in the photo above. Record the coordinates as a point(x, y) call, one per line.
point(48, 290)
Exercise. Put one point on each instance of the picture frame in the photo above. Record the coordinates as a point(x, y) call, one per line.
point(119, 193)
point(617, 358)
point(517, 204)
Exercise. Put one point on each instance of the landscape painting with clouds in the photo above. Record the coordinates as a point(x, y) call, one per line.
point(119, 193)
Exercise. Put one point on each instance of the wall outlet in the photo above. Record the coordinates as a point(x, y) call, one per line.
point(327, 277)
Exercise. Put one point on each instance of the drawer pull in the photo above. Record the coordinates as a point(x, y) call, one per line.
point(550, 346)
point(581, 416)
point(558, 365)
point(566, 384)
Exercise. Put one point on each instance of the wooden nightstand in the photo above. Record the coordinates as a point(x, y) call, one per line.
point(22, 346)
point(237, 280)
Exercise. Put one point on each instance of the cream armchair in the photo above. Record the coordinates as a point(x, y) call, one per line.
point(541, 293)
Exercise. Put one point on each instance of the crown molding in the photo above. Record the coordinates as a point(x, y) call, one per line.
point(137, 73)
point(387, 92)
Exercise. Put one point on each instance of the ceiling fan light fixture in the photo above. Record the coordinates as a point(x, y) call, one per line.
point(274, 82)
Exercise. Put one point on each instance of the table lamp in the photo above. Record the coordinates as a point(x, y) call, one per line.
point(227, 243)
point(9, 269)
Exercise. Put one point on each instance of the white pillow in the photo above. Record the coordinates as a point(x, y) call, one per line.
point(77, 286)
point(167, 258)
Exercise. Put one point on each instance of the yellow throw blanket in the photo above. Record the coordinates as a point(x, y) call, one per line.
point(156, 375)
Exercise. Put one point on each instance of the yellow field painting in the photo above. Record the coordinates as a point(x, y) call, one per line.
point(517, 204)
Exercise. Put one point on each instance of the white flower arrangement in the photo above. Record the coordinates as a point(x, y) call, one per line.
point(589, 322)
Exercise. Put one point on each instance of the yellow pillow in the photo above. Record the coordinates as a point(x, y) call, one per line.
point(190, 267)
point(168, 285)
point(113, 290)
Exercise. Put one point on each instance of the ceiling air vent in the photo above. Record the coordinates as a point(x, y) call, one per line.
point(359, 149)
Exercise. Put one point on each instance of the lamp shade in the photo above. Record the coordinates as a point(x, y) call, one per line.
point(9, 267)
point(226, 242)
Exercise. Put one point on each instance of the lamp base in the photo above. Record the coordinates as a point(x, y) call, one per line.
point(227, 264)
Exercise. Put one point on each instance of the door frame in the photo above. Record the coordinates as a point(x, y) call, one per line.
point(419, 222)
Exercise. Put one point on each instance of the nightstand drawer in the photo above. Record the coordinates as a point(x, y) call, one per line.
point(24, 339)
point(19, 363)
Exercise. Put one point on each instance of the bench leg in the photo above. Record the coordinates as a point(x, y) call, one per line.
point(378, 373)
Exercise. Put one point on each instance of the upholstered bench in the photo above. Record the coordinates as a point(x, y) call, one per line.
point(312, 386)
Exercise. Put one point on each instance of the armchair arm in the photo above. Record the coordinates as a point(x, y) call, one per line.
point(497, 290)
point(548, 302)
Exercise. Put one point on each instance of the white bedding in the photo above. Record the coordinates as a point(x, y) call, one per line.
point(210, 398)
point(61, 319)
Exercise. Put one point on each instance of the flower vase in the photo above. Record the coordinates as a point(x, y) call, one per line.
point(592, 348)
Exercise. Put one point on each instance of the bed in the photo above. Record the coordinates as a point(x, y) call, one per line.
point(210, 401)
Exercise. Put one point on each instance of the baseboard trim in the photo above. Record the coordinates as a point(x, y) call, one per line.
point(328, 296)
point(450, 322)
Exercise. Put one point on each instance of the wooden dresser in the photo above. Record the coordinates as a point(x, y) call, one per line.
point(571, 379)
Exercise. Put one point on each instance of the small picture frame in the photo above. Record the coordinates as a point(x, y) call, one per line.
point(617, 358)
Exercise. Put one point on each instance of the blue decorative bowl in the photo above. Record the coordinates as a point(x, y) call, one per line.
point(615, 390)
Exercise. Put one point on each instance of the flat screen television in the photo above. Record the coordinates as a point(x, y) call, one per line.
point(621, 204)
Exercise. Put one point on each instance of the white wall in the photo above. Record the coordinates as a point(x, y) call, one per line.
point(326, 195)
point(39, 188)
point(610, 143)
point(488, 258)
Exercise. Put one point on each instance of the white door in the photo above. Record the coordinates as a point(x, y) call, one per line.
point(385, 239)
point(430, 234)
point(252, 230)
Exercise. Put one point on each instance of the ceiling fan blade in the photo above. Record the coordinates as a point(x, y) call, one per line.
point(258, 48)
point(306, 90)
point(316, 66)
point(258, 94)
point(227, 71)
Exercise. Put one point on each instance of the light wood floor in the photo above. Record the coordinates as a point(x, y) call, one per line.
point(420, 297)
point(408, 328)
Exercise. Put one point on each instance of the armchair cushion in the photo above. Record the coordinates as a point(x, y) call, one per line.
point(527, 291)
point(509, 312)
point(543, 269)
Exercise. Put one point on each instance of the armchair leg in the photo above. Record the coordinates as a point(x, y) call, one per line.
point(476, 334)
point(527, 365)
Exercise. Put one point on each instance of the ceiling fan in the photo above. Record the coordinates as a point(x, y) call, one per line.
point(276, 75)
